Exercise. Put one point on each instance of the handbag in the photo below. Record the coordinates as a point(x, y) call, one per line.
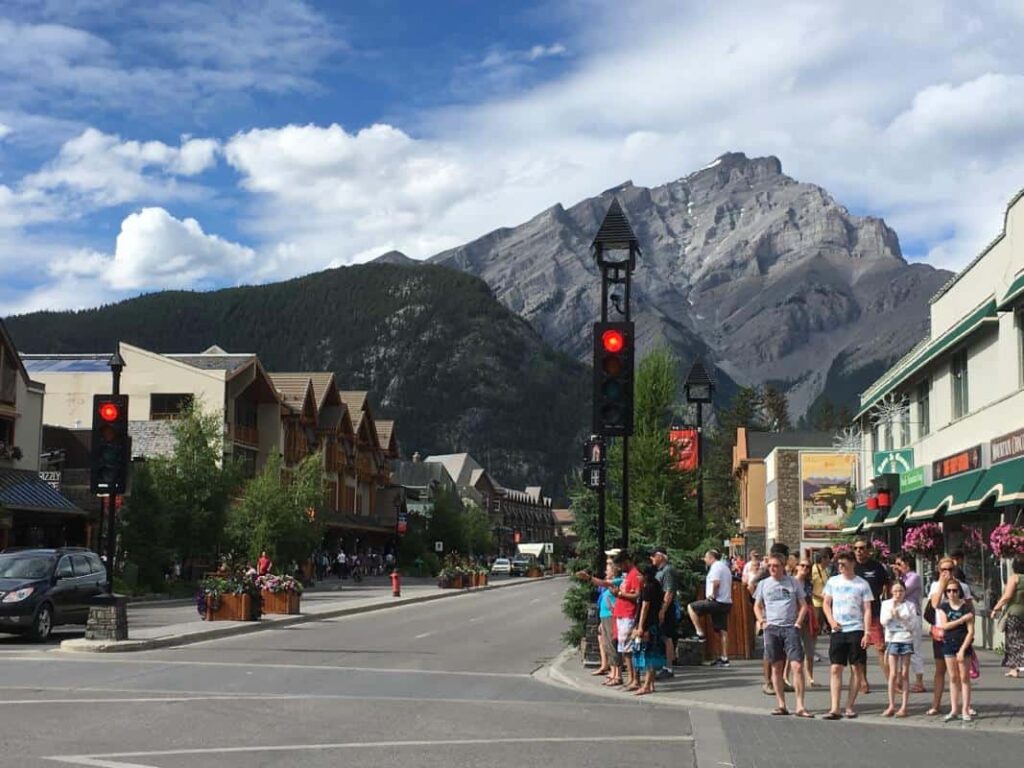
point(974, 669)
point(937, 633)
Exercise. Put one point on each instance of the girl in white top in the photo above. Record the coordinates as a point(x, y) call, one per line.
point(901, 622)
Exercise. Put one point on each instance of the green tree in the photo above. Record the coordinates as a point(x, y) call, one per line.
point(721, 496)
point(775, 409)
point(143, 529)
point(477, 530)
point(446, 523)
point(277, 514)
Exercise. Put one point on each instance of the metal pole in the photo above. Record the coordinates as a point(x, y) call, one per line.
point(700, 462)
point(104, 501)
point(625, 492)
point(602, 545)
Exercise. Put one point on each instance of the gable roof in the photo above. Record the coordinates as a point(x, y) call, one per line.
point(8, 342)
point(460, 466)
point(760, 444)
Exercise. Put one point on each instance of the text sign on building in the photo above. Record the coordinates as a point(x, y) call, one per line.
point(1008, 447)
point(912, 480)
point(53, 478)
point(893, 462)
point(957, 464)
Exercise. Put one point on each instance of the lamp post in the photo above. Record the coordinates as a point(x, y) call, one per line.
point(699, 389)
point(116, 363)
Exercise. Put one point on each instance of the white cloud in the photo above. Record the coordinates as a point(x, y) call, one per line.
point(5, 131)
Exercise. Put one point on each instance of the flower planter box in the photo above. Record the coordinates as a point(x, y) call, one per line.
point(534, 573)
point(232, 608)
point(281, 602)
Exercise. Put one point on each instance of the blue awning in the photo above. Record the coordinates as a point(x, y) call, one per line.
point(22, 490)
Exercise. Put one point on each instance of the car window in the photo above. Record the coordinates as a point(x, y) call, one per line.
point(25, 567)
point(64, 568)
point(82, 565)
point(96, 563)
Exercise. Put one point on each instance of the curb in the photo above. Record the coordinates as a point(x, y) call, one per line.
point(554, 674)
point(230, 628)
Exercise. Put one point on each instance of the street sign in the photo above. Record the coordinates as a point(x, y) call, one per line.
point(593, 450)
point(549, 547)
point(912, 480)
point(893, 462)
point(594, 476)
point(439, 546)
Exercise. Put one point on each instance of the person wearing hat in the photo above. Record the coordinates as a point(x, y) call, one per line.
point(668, 616)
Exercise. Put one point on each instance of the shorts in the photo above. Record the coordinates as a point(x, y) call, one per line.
point(670, 626)
point(876, 636)
point(951, 648)
point(937, 651)
point(624, 628)
point(844, 648)
point(783, 644)
point(719, 612)
point(899, 649)
point(608, 638)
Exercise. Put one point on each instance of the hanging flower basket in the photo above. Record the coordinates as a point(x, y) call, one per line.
point(924, 540)
point(1007, 541)
point(974, 539)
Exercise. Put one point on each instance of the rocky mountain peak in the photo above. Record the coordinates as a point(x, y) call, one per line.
point(395, 257)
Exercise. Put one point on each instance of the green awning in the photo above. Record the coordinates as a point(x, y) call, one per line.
point(856, 519)
point(952, 495)
point(1015, 291)
point(925, 354)
point(1001, 485)
point(905, 504)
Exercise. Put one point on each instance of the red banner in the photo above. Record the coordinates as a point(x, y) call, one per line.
point(683, 447)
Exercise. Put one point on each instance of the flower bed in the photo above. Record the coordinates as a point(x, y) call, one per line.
point(229, 598)
point(280, 594)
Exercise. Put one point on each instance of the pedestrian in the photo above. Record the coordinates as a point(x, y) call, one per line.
point(782, 550)
point(669, 612)
point(877, 577)
point(821, 572)
point(956, 620)
point(847, 608)
point(610, 659)
point(809, 627)
point(900, 619)
point(781, 610)
point(936, 594)
point(717, 603)
point(792, 565)
point(264, 564)
point(1012, 604)
point(648, 646)
point(911, 581)
point(624, 611)
point(752, 569)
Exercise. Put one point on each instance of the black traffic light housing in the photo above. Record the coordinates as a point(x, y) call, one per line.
point(613, 379)
point(110, 444)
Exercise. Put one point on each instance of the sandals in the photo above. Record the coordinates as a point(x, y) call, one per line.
point(850, 715)
point(932, 712)
point(832, 716)
point(889, 712)
point(804, 714)
point(780, 711)
point(901, 713)
point(611, 683)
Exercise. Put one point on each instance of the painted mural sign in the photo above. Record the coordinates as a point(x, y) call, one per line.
point(827, 482)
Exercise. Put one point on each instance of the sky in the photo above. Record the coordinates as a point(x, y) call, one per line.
point(201, 144)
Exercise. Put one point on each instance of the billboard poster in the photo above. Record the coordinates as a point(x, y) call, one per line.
point(683, 445)
point(827, 482)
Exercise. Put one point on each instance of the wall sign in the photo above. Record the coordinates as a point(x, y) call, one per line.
point(53, 478)
point(912, 480)
point(893, 462)
point(957, 464)
point(1008, 446)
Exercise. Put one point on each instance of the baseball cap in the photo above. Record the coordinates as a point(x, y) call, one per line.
point(613, 552)
point(659, 551)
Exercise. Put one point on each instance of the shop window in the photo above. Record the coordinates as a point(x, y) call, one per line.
point(164, 406)
point(905, 423)
point(924, 407)
point(890, 428)
point(874, 438)
point(958, 374)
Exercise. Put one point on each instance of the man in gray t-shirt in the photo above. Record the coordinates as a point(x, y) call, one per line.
point(667, 617)
point(781, 610)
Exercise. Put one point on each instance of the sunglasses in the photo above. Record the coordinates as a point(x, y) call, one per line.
point(860, 547)
point(805, 565)
point(945, 570)
point(952, 591)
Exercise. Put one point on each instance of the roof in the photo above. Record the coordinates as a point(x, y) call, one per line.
point(213, 359)
point(292, 386)
point(418, 474)
point(6, 340)
point(460, 466)
point(698, 374)
point(615, 231)
point(760, 444)
point(66, 363)
point(22, 489)
point(385, 431)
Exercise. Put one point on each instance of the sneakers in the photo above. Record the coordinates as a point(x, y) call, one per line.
point(665, 673)
point(719, 663)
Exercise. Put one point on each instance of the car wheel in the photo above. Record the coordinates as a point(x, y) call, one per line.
point(43, 624)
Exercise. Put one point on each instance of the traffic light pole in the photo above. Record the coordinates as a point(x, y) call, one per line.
point(116, 364)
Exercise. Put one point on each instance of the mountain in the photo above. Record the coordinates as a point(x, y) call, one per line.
point(769, 278)
point(455, 369)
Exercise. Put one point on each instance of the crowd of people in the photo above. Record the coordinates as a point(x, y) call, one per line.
point(343, 565)
point(848, 599)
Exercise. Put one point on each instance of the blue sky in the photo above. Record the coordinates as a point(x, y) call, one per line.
point(202, 144)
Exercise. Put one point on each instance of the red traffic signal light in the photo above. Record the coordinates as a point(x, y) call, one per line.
point(109, 411)
point(613, 341)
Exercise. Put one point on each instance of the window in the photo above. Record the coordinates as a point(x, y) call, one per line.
point(905, 423)
point(64, 569)
point(163, 406)
point(95, 563)
point(890, 428)
point(874, 438)
point(82, 565)
point(924, 425)
point(958, 374)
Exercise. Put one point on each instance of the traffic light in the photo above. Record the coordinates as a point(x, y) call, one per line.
point(613, 379)
point(110, 445)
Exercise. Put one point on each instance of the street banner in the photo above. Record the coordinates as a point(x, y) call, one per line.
point(827, 481)
point(683, 443)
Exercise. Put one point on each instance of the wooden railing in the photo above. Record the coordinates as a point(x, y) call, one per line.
point(243, 433)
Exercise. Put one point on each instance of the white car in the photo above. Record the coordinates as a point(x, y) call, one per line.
point(501, 565)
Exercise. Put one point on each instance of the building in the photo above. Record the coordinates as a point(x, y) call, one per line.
point(794, 487)
point(565, 531)
point(33, 512)
point(943, 428)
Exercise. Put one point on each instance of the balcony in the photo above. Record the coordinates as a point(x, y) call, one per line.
point(244, 433)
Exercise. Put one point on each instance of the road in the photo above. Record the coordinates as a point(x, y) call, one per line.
point(447, 683)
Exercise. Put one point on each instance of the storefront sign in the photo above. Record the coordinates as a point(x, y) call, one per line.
point(957, 464)
point(53, 478)
point(683, 442)
point(893, 462)
point(1008, 446)
point(827, 482)
point(912, 480)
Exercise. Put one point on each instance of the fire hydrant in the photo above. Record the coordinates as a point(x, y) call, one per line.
point(396, 583)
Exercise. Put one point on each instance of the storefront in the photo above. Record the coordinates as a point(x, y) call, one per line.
point(34, 514)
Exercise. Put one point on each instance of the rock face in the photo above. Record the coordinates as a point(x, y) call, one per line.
point(767, 277)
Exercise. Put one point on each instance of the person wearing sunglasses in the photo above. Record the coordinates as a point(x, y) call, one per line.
point(936, 594)
point(877, 577)
point(956, 619)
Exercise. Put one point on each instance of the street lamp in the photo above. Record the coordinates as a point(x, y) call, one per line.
point(699, 389)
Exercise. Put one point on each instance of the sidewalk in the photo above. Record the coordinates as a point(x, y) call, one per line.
point(177, 624)
point(999, 700)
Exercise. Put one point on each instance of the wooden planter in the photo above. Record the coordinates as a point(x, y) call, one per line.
point(232, 608)
point(281, 602)
point(534, 573)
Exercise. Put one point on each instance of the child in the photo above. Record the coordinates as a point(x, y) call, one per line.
point(901, 622)
point(956, 620)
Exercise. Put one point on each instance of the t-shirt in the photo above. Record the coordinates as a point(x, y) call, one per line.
point(912, 581)
point(751, 571)
point(819, 575)
point(606, 600)
point(781, 598)
point(874, 573)
point(666, 576)
point(958, 634)
point(625, 608)
point(719, 572)
point(848, 598)
point(900, 621)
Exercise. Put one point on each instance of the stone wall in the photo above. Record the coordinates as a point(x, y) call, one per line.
point(789, 493)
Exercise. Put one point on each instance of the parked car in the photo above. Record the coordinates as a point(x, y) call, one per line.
point(520, 565)
point(501, 565)
point(41, 588)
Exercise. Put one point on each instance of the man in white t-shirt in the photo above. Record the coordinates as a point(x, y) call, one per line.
point(753, 568)
point(717, 603)
point(847, 607)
